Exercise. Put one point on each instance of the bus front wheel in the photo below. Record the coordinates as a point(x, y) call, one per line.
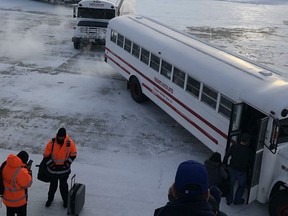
point(136, 91)
point(77, 45)
point(278, 205)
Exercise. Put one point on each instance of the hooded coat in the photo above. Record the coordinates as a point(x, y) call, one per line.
point(185, 207)
point(16, 181)
point(59, 155)
point(216, 172)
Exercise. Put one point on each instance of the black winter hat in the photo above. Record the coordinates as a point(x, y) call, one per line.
point(24, 156)
point(215, 157)
point(61, 132)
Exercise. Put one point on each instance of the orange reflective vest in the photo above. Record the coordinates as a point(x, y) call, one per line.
point(60, 153)
point(16, 181)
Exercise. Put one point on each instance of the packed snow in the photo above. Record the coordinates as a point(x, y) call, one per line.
point(127, 152)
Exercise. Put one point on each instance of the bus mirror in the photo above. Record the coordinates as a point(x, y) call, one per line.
point(274, 137)
point(284, 112)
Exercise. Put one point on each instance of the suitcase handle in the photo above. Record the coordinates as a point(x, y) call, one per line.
point(73, 180)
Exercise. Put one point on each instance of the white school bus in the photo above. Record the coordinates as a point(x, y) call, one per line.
point(214, 94)
point(92, 20)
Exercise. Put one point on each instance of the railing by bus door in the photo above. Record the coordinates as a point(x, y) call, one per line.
point(255, 172)
point(235, 124)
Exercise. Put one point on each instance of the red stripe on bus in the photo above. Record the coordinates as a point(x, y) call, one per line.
point(171, 96)
point(182, 114)
point(118, 64)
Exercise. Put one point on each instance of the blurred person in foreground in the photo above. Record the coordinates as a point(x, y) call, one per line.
point(215, 200)
point(59, 154)
point(189, 193)
point(17, 178)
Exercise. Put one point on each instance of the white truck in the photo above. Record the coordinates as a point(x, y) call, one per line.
point(92, 20)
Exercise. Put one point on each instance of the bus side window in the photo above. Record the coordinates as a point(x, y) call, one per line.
point(166, 69)
point(193, 87)
point(136, 50)
point(144, 56)
point(128, 45)
point(209, 96)
point(225, 106)
point(178, 77)
point(155, 62)
point(120, 40)
point(113, 36)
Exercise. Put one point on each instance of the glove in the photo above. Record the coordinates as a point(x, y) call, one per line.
point(67, 164)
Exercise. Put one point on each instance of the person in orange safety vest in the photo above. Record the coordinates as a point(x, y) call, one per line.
point(17, 177)
point(59, 154)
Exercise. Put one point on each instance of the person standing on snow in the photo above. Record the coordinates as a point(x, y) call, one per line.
point(59, 154)
point(17, 178)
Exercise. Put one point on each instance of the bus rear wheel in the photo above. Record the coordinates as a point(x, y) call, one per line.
point(278, 205)
point(136, 91)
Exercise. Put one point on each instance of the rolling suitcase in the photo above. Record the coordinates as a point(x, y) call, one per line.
point(76, 197)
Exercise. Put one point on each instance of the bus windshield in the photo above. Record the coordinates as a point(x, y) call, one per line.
point(96, 13)
point(283, 131)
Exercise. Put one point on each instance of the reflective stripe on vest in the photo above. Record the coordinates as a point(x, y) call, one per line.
point(14, 200)
point(66, 156)
point(57, 172)
point(13, 189)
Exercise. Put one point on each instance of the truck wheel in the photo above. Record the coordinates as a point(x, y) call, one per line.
point(278, 205)
point(77, 45)
point(136, 91)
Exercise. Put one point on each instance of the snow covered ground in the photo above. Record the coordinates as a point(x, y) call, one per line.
point(127, 152)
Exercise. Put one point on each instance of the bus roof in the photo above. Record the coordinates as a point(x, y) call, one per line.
point(232, 75)
point(100, 3)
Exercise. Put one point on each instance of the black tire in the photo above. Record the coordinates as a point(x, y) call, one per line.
point(278, 205)
point(77, 45)
point(136, 90)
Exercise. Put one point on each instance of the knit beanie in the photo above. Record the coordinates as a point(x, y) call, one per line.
point(61, 132)
point(24, 156)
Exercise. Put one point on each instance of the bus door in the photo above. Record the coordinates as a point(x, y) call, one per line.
point(255, 172)
point(246, 119)
point(235, 124)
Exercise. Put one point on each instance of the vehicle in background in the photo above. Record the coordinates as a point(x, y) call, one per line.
point(92, 20)
point(215, 94)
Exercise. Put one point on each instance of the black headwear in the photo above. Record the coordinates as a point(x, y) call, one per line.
point(24, 156)
point(61, 132)
point(215, 157)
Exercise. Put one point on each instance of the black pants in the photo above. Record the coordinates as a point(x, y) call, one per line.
point(19, 211)
point(63, 187)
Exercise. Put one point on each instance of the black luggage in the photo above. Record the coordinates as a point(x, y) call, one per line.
point(76, 197)
point(43, 174)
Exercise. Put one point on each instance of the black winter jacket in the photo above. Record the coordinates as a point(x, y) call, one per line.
point(216, 173)
point(185, 207)
point(241, 157)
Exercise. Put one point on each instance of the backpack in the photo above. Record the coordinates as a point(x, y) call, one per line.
point(2, 187)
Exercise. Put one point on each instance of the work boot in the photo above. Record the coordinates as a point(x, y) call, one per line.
point(48, 203)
